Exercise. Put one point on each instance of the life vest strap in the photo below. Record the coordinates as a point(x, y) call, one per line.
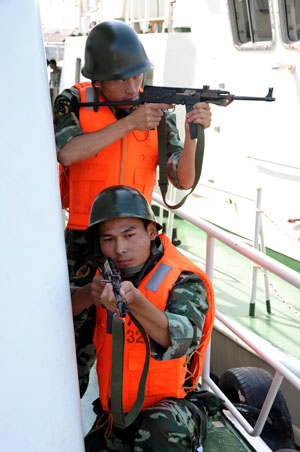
point(120, 419)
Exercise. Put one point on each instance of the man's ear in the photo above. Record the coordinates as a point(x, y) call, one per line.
point(97, 84)
point(152, 231)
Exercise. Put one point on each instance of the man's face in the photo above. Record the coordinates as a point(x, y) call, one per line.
point(124, 90)
point(126, 241)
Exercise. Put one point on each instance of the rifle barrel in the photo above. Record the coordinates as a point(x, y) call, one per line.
point(266, 99)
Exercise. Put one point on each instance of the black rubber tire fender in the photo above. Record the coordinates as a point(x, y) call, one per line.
point(247, 388)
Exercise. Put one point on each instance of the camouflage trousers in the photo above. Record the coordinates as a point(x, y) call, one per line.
point(170, 425)
point(85, 349)
point(81, 272)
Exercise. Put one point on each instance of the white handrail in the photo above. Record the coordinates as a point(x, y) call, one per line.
point(247, 337)
point(267, 262)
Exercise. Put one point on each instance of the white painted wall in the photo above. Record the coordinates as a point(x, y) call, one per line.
point(40, 406)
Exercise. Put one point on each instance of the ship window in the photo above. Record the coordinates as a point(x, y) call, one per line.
point(290, 20)
point(251, 21)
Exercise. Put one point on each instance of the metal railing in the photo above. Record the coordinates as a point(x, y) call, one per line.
point(150, 16)
point(289, 275)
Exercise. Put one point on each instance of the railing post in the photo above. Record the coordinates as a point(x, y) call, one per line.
point(161, 215)
point(210, 243)
point(255, 245)
point(171, 214)
point(210, 249)
point(258, 233)
point(267, 405)
point(266, 278)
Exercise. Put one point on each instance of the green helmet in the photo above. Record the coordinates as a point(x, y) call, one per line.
point(118, 201)
point(113, 51)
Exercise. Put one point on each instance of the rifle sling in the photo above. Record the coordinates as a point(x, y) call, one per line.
point(162, 160)
point(120, 419)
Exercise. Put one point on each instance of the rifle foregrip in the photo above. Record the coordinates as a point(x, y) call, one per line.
point(122, 307)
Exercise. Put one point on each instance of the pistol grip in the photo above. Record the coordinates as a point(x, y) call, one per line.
point(193, 130)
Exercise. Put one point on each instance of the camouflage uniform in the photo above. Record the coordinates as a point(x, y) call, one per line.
point(182, 422)
point(182, 426)
point(186, 309)
point(80, 265)
point(67, 126)
point(171, 424)
point(55, 78)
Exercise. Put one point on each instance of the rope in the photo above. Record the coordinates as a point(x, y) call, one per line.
point(189, 374)
point(287, 304)
point(107, 418)
point(291, 236)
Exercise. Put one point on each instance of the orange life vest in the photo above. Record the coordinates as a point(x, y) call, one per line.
point(165, 378)
point(130, 161)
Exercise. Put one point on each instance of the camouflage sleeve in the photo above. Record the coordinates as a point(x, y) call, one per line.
point(186, 310)
point(80, 320)
point(66, 123)
point(174, 148)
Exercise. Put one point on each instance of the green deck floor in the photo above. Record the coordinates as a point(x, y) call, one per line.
point(281, 328)
point(221, 436)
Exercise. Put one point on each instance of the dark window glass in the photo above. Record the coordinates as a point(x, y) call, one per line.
point(242, 21)
point(291, 16)
point(251, 20)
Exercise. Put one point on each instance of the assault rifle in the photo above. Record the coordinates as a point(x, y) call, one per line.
point(121, 419)
point(182, 96)
point(177, 96)
point(111, 275)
